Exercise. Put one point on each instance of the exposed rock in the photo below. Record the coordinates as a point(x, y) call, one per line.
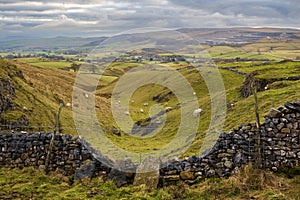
point(274, 113)
point(187, 175)
point(228, 164)
point(280, 126)
point(86, 170)
point(116, 131)
point(293, 106)
point(148, 173)
point(172, 178)
point(118, 177)
point(285, 130)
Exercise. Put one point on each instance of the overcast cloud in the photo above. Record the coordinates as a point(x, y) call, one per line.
point(33, 18)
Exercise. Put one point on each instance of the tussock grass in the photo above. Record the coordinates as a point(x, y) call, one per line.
point(248, 183)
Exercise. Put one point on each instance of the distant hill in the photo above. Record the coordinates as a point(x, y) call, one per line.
point(210, 36)
point(48, 43)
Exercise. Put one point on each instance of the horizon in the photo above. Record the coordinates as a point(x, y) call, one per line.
point(91, 18)
point(16, 38)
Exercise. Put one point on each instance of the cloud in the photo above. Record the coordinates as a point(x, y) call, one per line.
point(92, 17)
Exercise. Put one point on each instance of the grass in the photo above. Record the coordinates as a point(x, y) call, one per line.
point(43, 87)
point(274, 70)
point(249, 183)
point(42, 62)
point(39, 94)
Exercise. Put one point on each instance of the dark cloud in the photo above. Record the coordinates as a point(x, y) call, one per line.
point(93, 17)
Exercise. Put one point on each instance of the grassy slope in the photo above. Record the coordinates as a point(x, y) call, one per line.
point(243, 110)
point(45, 85)
point(247, 184)
point(39, 93)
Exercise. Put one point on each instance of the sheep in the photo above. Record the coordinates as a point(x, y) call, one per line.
point(267, 87)
point(141, 110)
point(168, 108)
point(197, 112)
point(194, 93)
point(127, 113)
point(146, 104)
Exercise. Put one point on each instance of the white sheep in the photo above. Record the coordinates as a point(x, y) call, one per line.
point(267, 87)
point(197, 112)
point(141, 110)
point(168, 108)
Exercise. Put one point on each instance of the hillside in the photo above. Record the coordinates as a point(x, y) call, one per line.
point(37, 92)
point(36, 96)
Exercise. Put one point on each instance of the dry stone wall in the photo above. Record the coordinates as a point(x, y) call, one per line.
point(279, 146)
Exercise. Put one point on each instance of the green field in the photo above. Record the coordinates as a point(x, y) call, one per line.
point(42, 62)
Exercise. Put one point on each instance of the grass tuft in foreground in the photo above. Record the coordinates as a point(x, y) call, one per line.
point(248, 183)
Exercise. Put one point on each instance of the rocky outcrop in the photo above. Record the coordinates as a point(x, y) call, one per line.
point(7, 92)
point(7, 96)
point(250, 82)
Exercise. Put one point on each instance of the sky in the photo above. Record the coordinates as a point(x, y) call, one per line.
point(86, 18)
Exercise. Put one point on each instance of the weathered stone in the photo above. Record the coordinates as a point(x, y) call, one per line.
point(274, 113)
point(198, 174)
point(171, 172)
point(280, 126)
point(187, 175)
point(228, 164)
point(238, 158)
point(172, 178)
point(210, 173)
point(118, 177)
point(221, 155)
point(86, 170)
point(230, 151)
point(220, 165)
point(280, 135)
point(147, 173)
point(193, 159)
point(292, 106)
point(291, 154)
point(275, 121)
point(289, 126)
point(246, 128)
point(286, 130)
